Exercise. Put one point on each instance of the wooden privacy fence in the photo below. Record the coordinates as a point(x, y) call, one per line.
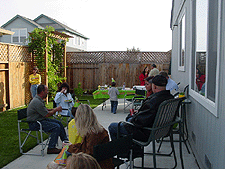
point(97, 68)
point(89, 68)
point(15, 67)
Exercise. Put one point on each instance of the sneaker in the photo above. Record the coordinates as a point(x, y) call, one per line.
point(53, 151)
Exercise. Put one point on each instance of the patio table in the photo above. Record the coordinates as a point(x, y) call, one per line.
point(100, 94)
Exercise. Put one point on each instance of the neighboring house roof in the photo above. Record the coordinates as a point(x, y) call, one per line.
point(25, 19)
point(5, 32)
point(58, 26)
point(171, 19)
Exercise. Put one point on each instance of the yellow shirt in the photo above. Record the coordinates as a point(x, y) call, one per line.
point(72, 131)
point(35, 79)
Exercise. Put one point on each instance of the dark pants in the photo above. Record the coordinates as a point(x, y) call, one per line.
point(52, 126)
point(114, 106)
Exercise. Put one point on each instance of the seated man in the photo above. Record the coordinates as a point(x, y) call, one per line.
point(171, 85)
point(145, 116)
point(37, 111)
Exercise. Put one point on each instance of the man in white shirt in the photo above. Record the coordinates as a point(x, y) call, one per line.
point(171, 84)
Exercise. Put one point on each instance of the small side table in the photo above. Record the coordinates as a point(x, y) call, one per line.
point(184, 116)
point(183, 126)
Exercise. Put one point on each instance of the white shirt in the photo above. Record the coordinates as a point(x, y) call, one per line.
point(171, 85)
point(60, 101)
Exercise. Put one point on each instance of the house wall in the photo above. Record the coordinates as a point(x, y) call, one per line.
point(17, 23)
point(21, 23)
point(206, 130)
point(71, 44)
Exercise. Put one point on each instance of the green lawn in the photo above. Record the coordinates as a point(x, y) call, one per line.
point(9, 149)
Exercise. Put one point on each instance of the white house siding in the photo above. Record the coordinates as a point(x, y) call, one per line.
point(209, 130)
point(74, 46)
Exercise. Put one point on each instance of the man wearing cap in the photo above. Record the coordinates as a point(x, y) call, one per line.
point(145, 116)
point(154, 71)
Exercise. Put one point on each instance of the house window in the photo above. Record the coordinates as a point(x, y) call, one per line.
point(19, 36)
point(75, 40)
point(181, 53)
point(205, 52)
point(78, 40)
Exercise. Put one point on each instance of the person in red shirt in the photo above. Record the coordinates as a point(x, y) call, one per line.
point(200, 79)
point(144, 75)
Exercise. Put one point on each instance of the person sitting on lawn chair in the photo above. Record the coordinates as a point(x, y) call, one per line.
point(92, 132)
point(37, 111)
point(145, 115)
point(74, 136)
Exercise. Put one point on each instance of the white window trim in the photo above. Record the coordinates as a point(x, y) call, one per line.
point(211, 106)
point(181, 68)
point(19, 34)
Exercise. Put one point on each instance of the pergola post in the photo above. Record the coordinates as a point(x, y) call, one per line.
point(65, 60)
point(46, 65)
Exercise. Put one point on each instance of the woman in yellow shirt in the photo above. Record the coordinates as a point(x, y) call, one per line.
point(35, 80)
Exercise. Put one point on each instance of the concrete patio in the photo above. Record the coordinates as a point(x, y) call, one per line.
point(105, 118)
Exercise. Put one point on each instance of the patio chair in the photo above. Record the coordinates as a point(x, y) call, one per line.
point(134, 101)
point(22, 115)
point(138, 99)
point(61, 117)
point(114, 148)
point(128, 98)
point(83, 101)
point(163, 123)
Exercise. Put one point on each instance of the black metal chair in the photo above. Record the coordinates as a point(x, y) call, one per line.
point(22, 115)
point(134, 101)
point(114, 148)
point(138, 99)
point(163, 124)
point(62, 117)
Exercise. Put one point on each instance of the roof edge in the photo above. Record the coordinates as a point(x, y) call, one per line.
point(23, 18)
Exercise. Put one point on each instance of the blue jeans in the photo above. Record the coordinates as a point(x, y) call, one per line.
point(113, 127)
point(33, 90)
point(114, 106)
point(52, 126)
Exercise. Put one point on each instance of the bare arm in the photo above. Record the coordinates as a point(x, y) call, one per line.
point(53, 111)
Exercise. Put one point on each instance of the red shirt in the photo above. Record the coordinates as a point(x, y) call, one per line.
point(142, 79)
point(200, 81)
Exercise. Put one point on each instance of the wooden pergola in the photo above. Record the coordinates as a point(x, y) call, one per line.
point(57, 35)
point(5, 32)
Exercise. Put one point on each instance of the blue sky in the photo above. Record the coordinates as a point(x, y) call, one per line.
point(111, 25)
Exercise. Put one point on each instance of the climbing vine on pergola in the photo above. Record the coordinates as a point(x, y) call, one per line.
point(48, 48)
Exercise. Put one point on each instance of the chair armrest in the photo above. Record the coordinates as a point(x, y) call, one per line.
point(132, 94)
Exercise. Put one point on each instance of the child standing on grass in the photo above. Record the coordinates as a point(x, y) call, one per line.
point(113, 92)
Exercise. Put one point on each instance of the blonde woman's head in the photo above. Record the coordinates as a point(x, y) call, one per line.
point(86, 121)
point(82, 161)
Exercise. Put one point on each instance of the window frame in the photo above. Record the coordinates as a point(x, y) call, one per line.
point(19, 36)
point(203, 100)
point(180, 41)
